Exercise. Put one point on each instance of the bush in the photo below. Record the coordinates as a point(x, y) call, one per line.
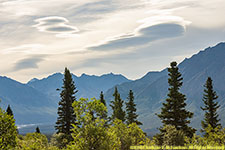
point(32, 141)
point(173, 137)
point(8, 131)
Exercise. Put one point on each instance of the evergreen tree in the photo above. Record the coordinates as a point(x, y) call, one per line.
point(102, 98)
point(38, 130)
point(173, 111)
point(8, 132)
point(104, 115)
point(131, 110)
point(66, 116)
point(9, 110)
point(117, 107)
point(211, 107)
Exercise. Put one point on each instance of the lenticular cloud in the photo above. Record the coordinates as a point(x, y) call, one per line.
point(55, 24)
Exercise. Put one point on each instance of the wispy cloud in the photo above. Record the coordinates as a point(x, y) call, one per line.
point(28, 63)
point(26, 48)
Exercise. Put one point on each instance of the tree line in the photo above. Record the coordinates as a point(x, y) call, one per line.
point(85, 124)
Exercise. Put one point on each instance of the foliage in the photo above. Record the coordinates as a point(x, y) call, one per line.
point(173, 137)
point(8, 131)
point(59, 140)
point(66, 116)
point(117, 107)
point(128, 135)
point(131, 110)
point(91, 132)
point(211, 107)
point(32, 141)
point(214, 138)
point(173, 111)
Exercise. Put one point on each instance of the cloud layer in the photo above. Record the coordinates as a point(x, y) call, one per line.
point(28, 63)
point(38, 37)
point(144, 36)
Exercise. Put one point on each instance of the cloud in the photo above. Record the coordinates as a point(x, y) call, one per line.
point(28, 63)
point(143, 36)
point(26, 48)
point(55, 24)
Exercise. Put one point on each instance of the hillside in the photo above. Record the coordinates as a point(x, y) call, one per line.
point(151, 90)
point(28, 104)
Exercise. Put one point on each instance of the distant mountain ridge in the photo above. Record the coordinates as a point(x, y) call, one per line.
point(195, 70)
point(88, 86)
point(37, 101)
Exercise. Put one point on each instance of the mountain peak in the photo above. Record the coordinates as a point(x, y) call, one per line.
point(33, 80)
point(84, 75)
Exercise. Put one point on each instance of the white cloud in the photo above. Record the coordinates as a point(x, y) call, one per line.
point(55, 24)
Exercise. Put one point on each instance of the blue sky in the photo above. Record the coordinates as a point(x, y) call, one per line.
point(129, 37)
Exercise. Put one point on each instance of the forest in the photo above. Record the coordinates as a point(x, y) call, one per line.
point(86, 124)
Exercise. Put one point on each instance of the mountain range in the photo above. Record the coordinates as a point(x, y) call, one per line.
point(152, 89)
point(37, 101)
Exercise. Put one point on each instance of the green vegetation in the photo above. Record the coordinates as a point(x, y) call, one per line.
point(104, 114)
point(211, 107)
point(117, 107)
point(173, 111)
point(131, 110)
point(83, 124)
point(66, 116)
point(8, 131)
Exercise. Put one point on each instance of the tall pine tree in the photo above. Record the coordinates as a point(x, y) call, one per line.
point(104, 115)
point(37, 130)
point(173, 111)
point(66, 116)
point(102, 98)
point(9, 110)
point(211, 107)
point(131, 110)
point(117, 107)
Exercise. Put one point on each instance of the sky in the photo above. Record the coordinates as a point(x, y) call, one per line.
point(128, 37)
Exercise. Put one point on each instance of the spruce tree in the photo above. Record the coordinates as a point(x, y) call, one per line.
point(38, 130)
point(9, 110)
point(104, 115)
point(66, 116)
point(117, 107)
point(211, 107)
point(173, 111)
point(102, 98)
point(131, 110)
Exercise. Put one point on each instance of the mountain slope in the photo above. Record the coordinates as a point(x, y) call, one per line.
point(195, 71)
point(28, 104)
point(37, 101)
